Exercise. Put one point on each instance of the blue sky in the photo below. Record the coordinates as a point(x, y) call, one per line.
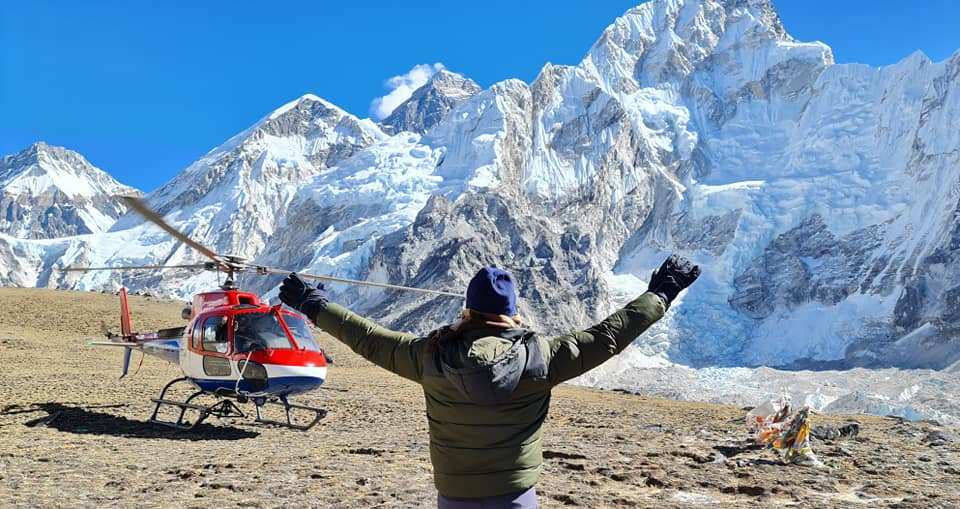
point(144, 89)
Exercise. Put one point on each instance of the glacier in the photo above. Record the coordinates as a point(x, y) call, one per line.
point(822, 200)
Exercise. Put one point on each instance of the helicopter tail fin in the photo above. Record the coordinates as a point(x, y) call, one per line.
point(126, 328)
point(128, 349)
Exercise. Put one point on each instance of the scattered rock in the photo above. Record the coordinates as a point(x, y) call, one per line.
point(939, 438)
point(565, 499)
point(848, 430)
point(730, 451)
point(654, 482)
point(217, 485)
point(549, 455)
point(697, 457)
point(839, 451)
point(753, 491)
point(366, 451)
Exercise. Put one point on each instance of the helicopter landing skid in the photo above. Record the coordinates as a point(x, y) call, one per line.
point(221, 409)
point(318, 413)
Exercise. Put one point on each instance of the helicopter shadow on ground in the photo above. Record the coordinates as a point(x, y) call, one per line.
point(87, 421)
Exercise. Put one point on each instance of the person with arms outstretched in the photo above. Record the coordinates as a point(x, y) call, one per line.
point(487, 379)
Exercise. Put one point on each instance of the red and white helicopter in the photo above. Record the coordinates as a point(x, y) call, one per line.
point(235, 347)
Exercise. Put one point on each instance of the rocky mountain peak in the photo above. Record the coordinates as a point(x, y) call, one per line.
point(232, 197)
point(308, 113)
point(49, 191)
point(429, 104)
point(453, 84)
point(36, 148)
point(47, 157)
point(664, 42)
point(41, 147)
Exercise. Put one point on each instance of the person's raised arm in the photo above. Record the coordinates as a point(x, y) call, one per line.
point(391, 350)
point(571, 355)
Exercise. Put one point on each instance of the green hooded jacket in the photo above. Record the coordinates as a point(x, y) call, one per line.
point(488, 391)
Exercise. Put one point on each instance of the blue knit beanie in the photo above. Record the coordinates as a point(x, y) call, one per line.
point(492, 291)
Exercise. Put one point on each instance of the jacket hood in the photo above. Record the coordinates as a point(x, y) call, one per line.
point(486, 365)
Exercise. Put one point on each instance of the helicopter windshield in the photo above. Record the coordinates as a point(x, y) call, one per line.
point(252, 331)
point(301, 332)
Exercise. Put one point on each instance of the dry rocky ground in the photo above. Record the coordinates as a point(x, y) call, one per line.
point(72, 435)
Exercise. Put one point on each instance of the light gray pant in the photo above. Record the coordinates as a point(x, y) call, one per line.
point(519, 500)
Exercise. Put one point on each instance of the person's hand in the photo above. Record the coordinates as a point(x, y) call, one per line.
point(672, 277)
point(302, 296)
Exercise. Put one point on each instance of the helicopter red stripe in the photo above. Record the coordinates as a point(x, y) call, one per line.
point(286, 357)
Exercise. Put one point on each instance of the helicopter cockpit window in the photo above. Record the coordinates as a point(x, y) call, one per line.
point(253, 331)
point(301, 332)
point(215, 334)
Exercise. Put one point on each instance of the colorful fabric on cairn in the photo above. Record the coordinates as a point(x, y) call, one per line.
point(775, 425)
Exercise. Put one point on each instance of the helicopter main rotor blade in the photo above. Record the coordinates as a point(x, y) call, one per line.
point(141, 208)
point(270, 270)
point(135, 267)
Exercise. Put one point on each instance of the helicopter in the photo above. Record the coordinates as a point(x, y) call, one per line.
point(234, 347)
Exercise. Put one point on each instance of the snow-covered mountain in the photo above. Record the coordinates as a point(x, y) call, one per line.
point(429, 104)
point(48, 192)
point(232, 198)
point(822, 200)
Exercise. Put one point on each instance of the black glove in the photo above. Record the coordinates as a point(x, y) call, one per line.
point(672, 277)
point(303, 297)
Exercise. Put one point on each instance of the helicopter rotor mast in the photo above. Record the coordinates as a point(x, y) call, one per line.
point(233, 264)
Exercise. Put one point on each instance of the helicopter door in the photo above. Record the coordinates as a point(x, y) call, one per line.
point(214, 344)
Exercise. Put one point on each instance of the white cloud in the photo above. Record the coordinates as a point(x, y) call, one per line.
point(401, 88)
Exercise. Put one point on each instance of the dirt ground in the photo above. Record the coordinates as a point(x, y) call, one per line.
point(72, 435)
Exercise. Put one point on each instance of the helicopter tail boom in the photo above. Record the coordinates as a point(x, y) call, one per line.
point(162, 343)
